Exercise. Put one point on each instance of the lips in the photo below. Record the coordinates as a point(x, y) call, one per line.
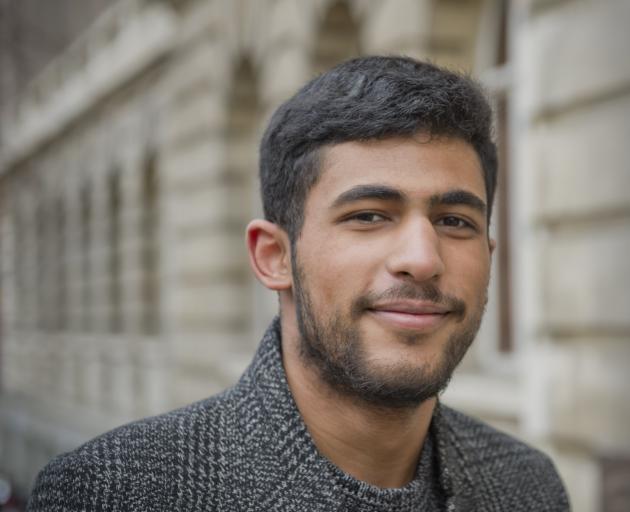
point(411, 307)
point(416, 315)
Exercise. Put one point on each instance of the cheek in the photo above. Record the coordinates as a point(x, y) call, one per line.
point(469, 271)
point(337, 273)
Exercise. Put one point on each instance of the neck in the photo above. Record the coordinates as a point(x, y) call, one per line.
point(377, 445)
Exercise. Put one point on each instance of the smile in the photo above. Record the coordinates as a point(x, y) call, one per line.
point(410, 315)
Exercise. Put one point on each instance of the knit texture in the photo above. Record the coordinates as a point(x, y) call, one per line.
point(248, 449)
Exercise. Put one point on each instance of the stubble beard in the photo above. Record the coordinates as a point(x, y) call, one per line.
point(335, 349)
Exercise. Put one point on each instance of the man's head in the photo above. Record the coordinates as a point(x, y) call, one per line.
point(377, 181)
point(368, 98)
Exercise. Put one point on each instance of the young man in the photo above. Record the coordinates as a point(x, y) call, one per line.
point(377, 182)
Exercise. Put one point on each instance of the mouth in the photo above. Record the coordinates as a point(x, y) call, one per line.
point(411, 315)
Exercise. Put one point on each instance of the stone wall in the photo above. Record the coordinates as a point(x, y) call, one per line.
point(574, 77)
point(130, 175)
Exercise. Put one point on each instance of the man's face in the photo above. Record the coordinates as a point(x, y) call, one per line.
point(392, 266)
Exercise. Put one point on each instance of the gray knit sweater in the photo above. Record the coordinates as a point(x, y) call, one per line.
point(247, 449)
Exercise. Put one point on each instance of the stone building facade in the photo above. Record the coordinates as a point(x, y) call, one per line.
point(128, 173)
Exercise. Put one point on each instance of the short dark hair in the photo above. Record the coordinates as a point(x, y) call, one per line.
point(367, 98)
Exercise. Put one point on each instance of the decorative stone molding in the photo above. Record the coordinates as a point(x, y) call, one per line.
point(123, 42)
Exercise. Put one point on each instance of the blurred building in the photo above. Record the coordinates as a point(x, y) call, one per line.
point(128, 173)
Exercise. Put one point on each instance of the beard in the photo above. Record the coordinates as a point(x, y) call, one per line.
point(335, 348)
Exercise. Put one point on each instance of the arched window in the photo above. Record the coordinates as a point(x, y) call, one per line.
point(242, 125)
point(338, 38)
point(455, 32)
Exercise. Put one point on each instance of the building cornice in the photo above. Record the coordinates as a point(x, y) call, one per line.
point(123, 42)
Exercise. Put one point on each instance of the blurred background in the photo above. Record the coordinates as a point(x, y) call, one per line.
point(128, 161)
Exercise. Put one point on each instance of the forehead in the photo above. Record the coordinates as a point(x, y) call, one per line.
point(418, 166)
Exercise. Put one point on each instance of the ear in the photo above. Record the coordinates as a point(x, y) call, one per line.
point(492, 243)
point(269, 254)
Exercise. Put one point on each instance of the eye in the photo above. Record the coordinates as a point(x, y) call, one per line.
point(366, 217)
point(450, 221)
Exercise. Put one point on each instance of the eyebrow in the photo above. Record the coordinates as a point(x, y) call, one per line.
point(459, 197)
point(363, 192)
point(387, 193)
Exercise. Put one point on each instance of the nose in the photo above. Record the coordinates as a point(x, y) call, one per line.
point(416, 252)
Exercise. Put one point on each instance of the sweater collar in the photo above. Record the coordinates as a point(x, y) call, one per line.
point(294, 442)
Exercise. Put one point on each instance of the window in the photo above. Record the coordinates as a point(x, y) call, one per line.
point(114, 257)
point(472, 36)
point(338, 38)
point(60, 278)
point(149, 282)
point(86, 259)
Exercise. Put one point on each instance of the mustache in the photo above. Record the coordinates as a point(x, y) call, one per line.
point(425, 292)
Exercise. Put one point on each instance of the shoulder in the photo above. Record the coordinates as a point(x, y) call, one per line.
point(518, 474)
point(143, 465)
point(480, 438)
point(65, 484)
